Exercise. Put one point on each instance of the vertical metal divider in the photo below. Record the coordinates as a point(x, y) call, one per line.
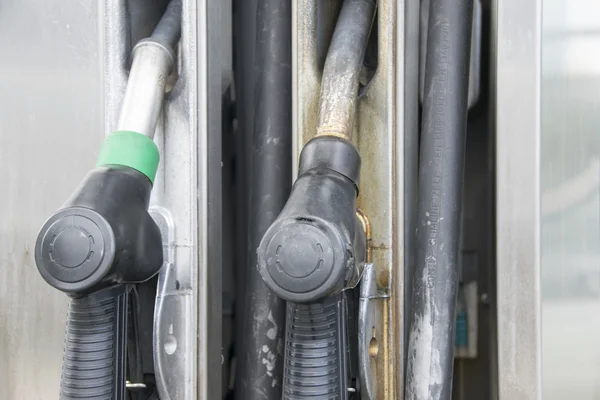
point(517, 36)
point(381, 195)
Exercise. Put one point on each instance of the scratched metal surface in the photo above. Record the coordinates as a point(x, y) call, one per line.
point(51, 127)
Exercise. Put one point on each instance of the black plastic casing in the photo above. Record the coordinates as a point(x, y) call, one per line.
point(103, 235)
point(317, 243)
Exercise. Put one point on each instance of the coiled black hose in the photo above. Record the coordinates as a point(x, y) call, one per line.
point(94, 355)
point(94, 362)
point(435, 279)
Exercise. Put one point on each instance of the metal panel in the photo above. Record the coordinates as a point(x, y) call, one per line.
point(570, 199)
point(50, 131)
point(517, 85)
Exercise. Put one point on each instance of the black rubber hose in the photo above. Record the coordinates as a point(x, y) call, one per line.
point(261, 351)
point(316, 359)
point(95, 346)
point(168, 29)
point(435, 280)
point(339, 86)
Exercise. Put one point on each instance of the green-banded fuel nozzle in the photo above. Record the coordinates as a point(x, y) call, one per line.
point(103, 240)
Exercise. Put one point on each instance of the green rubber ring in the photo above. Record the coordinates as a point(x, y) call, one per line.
point(130, 149)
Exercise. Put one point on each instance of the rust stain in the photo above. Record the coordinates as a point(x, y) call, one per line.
point(364, 219)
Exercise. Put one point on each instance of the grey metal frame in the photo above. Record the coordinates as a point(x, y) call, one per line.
point(517, 87)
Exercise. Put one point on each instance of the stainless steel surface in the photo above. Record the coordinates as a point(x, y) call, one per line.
point(475, 60)
point(570, 186)
point(114, 53)
point(381, 128)
point(145, 91)
point(50, 132)
point(517, 89)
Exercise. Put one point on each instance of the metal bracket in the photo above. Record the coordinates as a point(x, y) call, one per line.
point(370, 331)
point(171, 331)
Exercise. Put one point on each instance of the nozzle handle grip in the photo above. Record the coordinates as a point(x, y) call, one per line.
point(95, 339)
point(316, 351)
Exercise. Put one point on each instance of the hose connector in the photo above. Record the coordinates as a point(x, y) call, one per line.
point(153, 61)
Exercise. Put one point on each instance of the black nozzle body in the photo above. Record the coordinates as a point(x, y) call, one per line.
point(316, 244)
point(103, 235)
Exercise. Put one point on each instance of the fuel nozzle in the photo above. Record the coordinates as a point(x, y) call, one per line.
point(313, 251)
point(103, 235)
point(103, 239)
point(316, 246)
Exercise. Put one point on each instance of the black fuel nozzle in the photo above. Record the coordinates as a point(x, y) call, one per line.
point(316, 247)
point(102, 236)
point(314, 250)
point(93, 248)
point(103, 240)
